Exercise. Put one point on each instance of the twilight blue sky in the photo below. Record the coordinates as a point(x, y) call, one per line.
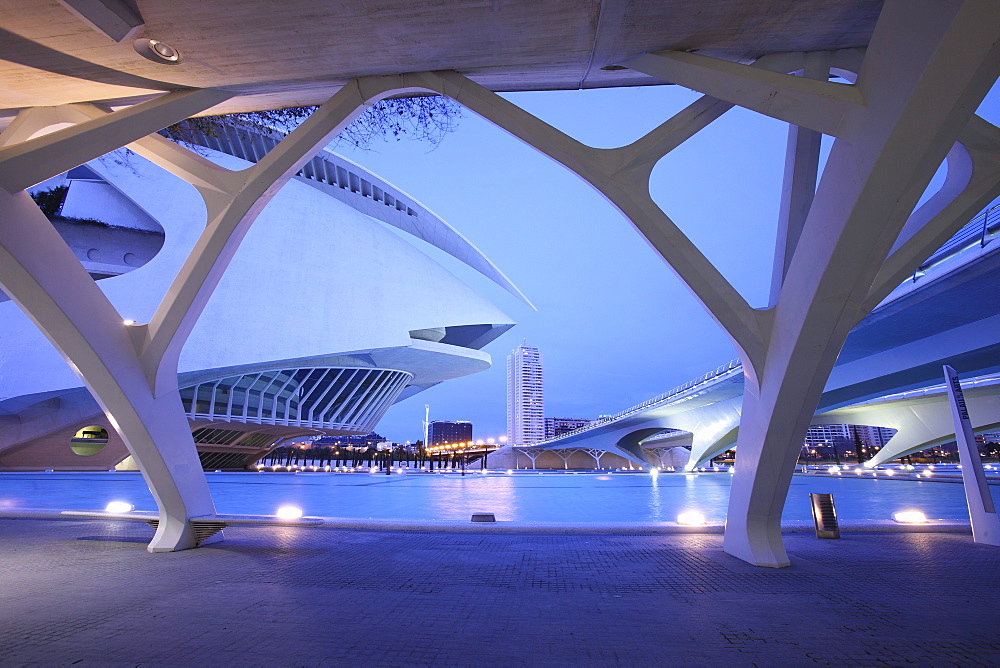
point(614, 325)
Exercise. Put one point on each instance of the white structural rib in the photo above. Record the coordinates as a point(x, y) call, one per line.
point(354, 185)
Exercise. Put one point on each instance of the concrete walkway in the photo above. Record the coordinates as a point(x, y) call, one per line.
point(74, 592)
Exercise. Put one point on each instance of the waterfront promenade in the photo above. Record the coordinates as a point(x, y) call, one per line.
point(88, 593)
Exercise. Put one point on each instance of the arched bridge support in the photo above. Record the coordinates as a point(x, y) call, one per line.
point(629, 446)
point(922, 419)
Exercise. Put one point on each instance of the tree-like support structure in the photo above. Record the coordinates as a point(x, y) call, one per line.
point(596, 454)
point(531, 454)
point(841, 250)
point(131, 369)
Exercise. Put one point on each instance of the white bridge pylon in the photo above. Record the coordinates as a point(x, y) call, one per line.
point(928, 66)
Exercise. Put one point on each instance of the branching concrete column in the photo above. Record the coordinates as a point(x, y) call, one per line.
point(40, 273)
point(596, 454)
point(928, 66)
point(132, 370)
point(925, 70)
point(799, 182)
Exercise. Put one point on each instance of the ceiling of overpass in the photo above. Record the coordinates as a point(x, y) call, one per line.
point(298, 52)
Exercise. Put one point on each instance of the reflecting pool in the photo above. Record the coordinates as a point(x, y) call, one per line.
point(523, 496)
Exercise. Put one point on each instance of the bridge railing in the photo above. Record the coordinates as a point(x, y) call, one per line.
point(978, 232)
point(664, 398)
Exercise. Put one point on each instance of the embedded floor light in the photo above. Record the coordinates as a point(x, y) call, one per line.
point(119, 507)
point(289, 513)
point(833, 470)
point(654, 471)
point(909, 517)
point(691, 518)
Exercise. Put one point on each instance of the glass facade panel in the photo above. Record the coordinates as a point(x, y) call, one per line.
point(311, 396)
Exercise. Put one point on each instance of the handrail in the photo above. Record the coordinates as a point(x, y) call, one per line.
point(977, 232)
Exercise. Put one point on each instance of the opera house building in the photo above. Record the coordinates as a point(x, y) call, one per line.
point(326, 317)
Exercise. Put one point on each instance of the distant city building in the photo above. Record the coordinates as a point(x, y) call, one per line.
point(441, 432)
point(358, 441)
point(558, 426)
point(846, 437)
point(525, 397)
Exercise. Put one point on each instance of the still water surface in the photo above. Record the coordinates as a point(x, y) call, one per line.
point(553, 497)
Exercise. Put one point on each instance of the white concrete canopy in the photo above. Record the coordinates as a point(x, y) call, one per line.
point(304, 53)
point(927, 66)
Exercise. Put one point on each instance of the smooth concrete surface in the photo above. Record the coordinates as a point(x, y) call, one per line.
point(304, 53)
point(87, 593)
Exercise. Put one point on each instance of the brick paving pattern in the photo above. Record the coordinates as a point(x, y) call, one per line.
point(87, 593)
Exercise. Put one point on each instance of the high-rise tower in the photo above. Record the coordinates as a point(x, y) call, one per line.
point(525, 397)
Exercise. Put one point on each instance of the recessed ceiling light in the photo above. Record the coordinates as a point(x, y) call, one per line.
point(157, 51)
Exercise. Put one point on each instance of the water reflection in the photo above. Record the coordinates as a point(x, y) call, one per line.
point(457, 497)
point(583, 497)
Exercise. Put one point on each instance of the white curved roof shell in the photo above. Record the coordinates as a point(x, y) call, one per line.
point(313, 277)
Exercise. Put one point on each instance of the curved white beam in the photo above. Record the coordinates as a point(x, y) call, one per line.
point(922, 418)
point(354, 185)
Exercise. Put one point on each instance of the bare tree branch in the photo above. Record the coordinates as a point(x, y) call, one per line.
point(426, 118)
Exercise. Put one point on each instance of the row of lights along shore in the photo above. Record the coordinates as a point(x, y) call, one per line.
point(685, 518)
point(466, 446)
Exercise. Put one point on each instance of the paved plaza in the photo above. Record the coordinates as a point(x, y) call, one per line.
point(88, 593)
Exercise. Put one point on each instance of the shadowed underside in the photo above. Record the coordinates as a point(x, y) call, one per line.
point(52, 57)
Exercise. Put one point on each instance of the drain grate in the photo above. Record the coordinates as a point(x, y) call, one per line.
point(203, 529)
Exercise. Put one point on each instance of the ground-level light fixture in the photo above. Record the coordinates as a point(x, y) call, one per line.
point(289, 513)
point(119, 507)
point(691, 518)
point(909, 517)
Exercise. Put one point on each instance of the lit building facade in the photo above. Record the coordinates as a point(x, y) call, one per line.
point(441, 432)
point(525, 396)
point(847, 437)
point(558, 426)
